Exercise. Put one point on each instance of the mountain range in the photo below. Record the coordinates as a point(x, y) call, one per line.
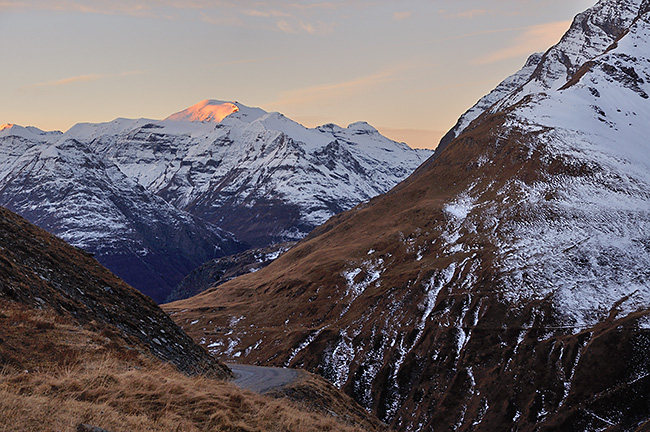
point(504, 284)
point(155, 199)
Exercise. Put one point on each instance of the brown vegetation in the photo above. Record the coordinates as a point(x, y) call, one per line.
point(318, 395)
point(55, 375)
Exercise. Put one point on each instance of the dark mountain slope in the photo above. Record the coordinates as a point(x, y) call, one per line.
point(43, 272)
point(220, 270)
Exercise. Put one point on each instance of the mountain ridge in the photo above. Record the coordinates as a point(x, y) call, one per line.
point(65, 188)
point(597, 29)
point(220, 170)
point(42, 272)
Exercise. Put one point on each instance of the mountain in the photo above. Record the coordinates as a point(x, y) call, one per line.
point(59, 184)
point(156, 199)
point(259, 175)
point(502, 286)
point(590, 34)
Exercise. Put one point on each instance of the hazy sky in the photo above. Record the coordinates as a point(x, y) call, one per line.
point(408, 67)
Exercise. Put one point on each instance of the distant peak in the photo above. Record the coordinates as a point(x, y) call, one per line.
point(362, 126)
point(6, 126)
point(208, 110)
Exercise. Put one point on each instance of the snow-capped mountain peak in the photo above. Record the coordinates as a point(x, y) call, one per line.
point(215, 111)
point(591, 34)
point(255, 158)
point(362, 128)
point(208, 110)
point(29, 132)
point(258, 174)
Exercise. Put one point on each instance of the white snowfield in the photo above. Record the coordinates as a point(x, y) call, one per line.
point(584, 242)
point(251, 154)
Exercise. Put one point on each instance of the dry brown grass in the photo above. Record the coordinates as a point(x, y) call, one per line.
point(54, 376)
point(317, 394)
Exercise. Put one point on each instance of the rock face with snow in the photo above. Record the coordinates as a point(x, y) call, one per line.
point(259, 175)
point(156, 199)
point(591, 33)
point(59, 184)
point(505, 284)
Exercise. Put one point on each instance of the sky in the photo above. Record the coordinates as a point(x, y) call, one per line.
point(410, 67)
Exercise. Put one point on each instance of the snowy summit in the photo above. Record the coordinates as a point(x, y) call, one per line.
point(206, 111)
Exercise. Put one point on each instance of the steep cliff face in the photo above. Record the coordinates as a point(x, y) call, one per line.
point(505, 283)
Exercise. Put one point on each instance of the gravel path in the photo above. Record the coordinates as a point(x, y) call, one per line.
point(262, 379)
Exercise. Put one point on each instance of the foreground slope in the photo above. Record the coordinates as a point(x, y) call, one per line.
point(79, 346)
point(504, 284)
point(42, 272)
